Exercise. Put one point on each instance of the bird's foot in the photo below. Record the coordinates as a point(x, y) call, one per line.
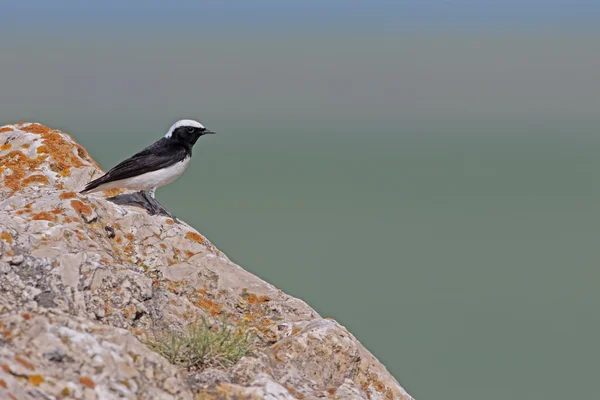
point(155, 208)
point(161, 210)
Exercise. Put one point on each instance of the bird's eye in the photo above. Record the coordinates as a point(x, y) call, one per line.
point(190, 129)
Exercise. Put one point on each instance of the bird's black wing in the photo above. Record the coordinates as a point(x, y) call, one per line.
point(160, 154)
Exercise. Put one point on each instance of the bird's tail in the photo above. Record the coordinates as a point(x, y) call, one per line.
point(91, 186)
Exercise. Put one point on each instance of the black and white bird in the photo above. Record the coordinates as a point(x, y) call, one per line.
point(157, 165)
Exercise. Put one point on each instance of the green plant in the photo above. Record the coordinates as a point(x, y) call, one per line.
point(201, 344)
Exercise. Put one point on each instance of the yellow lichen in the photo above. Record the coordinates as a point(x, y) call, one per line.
point(36, 380)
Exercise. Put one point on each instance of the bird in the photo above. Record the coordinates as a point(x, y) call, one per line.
point(157, 165)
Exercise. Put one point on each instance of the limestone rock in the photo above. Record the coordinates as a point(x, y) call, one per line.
point(84, 280)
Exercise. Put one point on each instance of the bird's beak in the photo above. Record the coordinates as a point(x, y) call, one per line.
point(208, 132)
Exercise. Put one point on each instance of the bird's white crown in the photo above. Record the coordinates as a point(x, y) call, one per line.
point(183, 122)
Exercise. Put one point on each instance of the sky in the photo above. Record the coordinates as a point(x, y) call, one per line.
point(266, 15)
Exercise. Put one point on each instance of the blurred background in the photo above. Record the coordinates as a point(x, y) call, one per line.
point(424, 172)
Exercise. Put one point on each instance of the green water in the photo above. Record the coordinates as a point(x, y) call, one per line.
point(445, 209)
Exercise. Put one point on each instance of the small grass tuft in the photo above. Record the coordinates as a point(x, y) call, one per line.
point(200, 345)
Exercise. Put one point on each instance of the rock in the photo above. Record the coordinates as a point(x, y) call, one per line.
point(84, 282)
point(16, 260)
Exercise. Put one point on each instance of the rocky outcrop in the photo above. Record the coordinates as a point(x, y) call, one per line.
point(84, 280)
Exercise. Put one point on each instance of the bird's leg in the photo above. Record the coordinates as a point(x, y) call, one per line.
point(156, 206)
point(150, 201)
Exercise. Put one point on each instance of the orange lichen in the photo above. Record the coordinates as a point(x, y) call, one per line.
point(65, 171)
point(119, 239)
point(7, 237)
point(129, 312)
point(170, 222)
point(87, 381)
point(82, 153)
point(291, 389)
point(12, 396)
point(67, 195)
point(128, 249)
point(372, 380)
point(43, 179)
point(3, 384)
point(44, 216)
point(57, 147)
point(6, 369)
point(254, 299)
point(130, 237)
point(24, 362)
point(26, 316)
point(189, 253)
point(175, 287)
point(56, 211)
point(164, 246)
point(36, 380)
point(35, 128)
point(195, 237)
point(112, 192)
point(107, 309)
point(5, 146)
point(6, 129)
point(25, 145)
point(19, 164)
point(81, 208)
point(211, 307)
